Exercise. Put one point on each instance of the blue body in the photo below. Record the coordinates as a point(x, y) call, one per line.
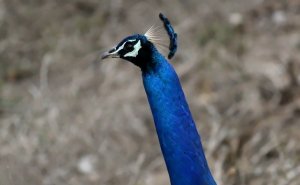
point(179, 140)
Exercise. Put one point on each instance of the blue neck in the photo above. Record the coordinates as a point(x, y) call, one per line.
point(179, 140)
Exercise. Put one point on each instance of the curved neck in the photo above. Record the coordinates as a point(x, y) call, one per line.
point(179, 140)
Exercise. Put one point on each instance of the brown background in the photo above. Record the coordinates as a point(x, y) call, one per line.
point(66, 121)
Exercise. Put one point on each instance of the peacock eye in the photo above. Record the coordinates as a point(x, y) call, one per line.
point(128, 46)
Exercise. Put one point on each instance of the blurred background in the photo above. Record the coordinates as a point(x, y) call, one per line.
point(66, 120)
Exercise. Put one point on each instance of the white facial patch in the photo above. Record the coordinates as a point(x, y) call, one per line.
point(135, 51)
point(121, 47)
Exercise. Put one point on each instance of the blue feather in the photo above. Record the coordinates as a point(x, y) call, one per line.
point(176, 130)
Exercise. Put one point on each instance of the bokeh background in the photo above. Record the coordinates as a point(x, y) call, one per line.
point(68, 120)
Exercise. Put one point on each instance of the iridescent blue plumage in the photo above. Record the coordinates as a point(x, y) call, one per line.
point(176, 130)
point(178, 137)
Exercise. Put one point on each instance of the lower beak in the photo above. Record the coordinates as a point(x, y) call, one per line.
point(110, 54)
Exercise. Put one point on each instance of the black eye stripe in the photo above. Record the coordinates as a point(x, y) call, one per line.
point(130, 43)
point(127, 46)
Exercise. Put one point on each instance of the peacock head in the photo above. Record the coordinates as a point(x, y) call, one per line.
point(139, 48)
point(133, 48)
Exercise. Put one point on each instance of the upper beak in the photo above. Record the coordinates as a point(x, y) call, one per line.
point(110, 54)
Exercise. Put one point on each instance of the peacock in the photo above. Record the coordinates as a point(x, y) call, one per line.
point(177, 133)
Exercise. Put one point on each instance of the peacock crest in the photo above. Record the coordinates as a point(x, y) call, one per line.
point(156, 35)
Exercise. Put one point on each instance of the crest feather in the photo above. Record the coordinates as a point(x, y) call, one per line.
point(157, 35)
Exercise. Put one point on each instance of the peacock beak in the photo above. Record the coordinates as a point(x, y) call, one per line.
point(110, 54)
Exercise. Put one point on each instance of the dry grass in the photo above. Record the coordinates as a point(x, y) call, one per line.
point(66, 120)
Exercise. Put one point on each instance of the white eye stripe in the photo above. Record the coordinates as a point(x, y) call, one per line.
point(121, 47)
point(135, 51)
